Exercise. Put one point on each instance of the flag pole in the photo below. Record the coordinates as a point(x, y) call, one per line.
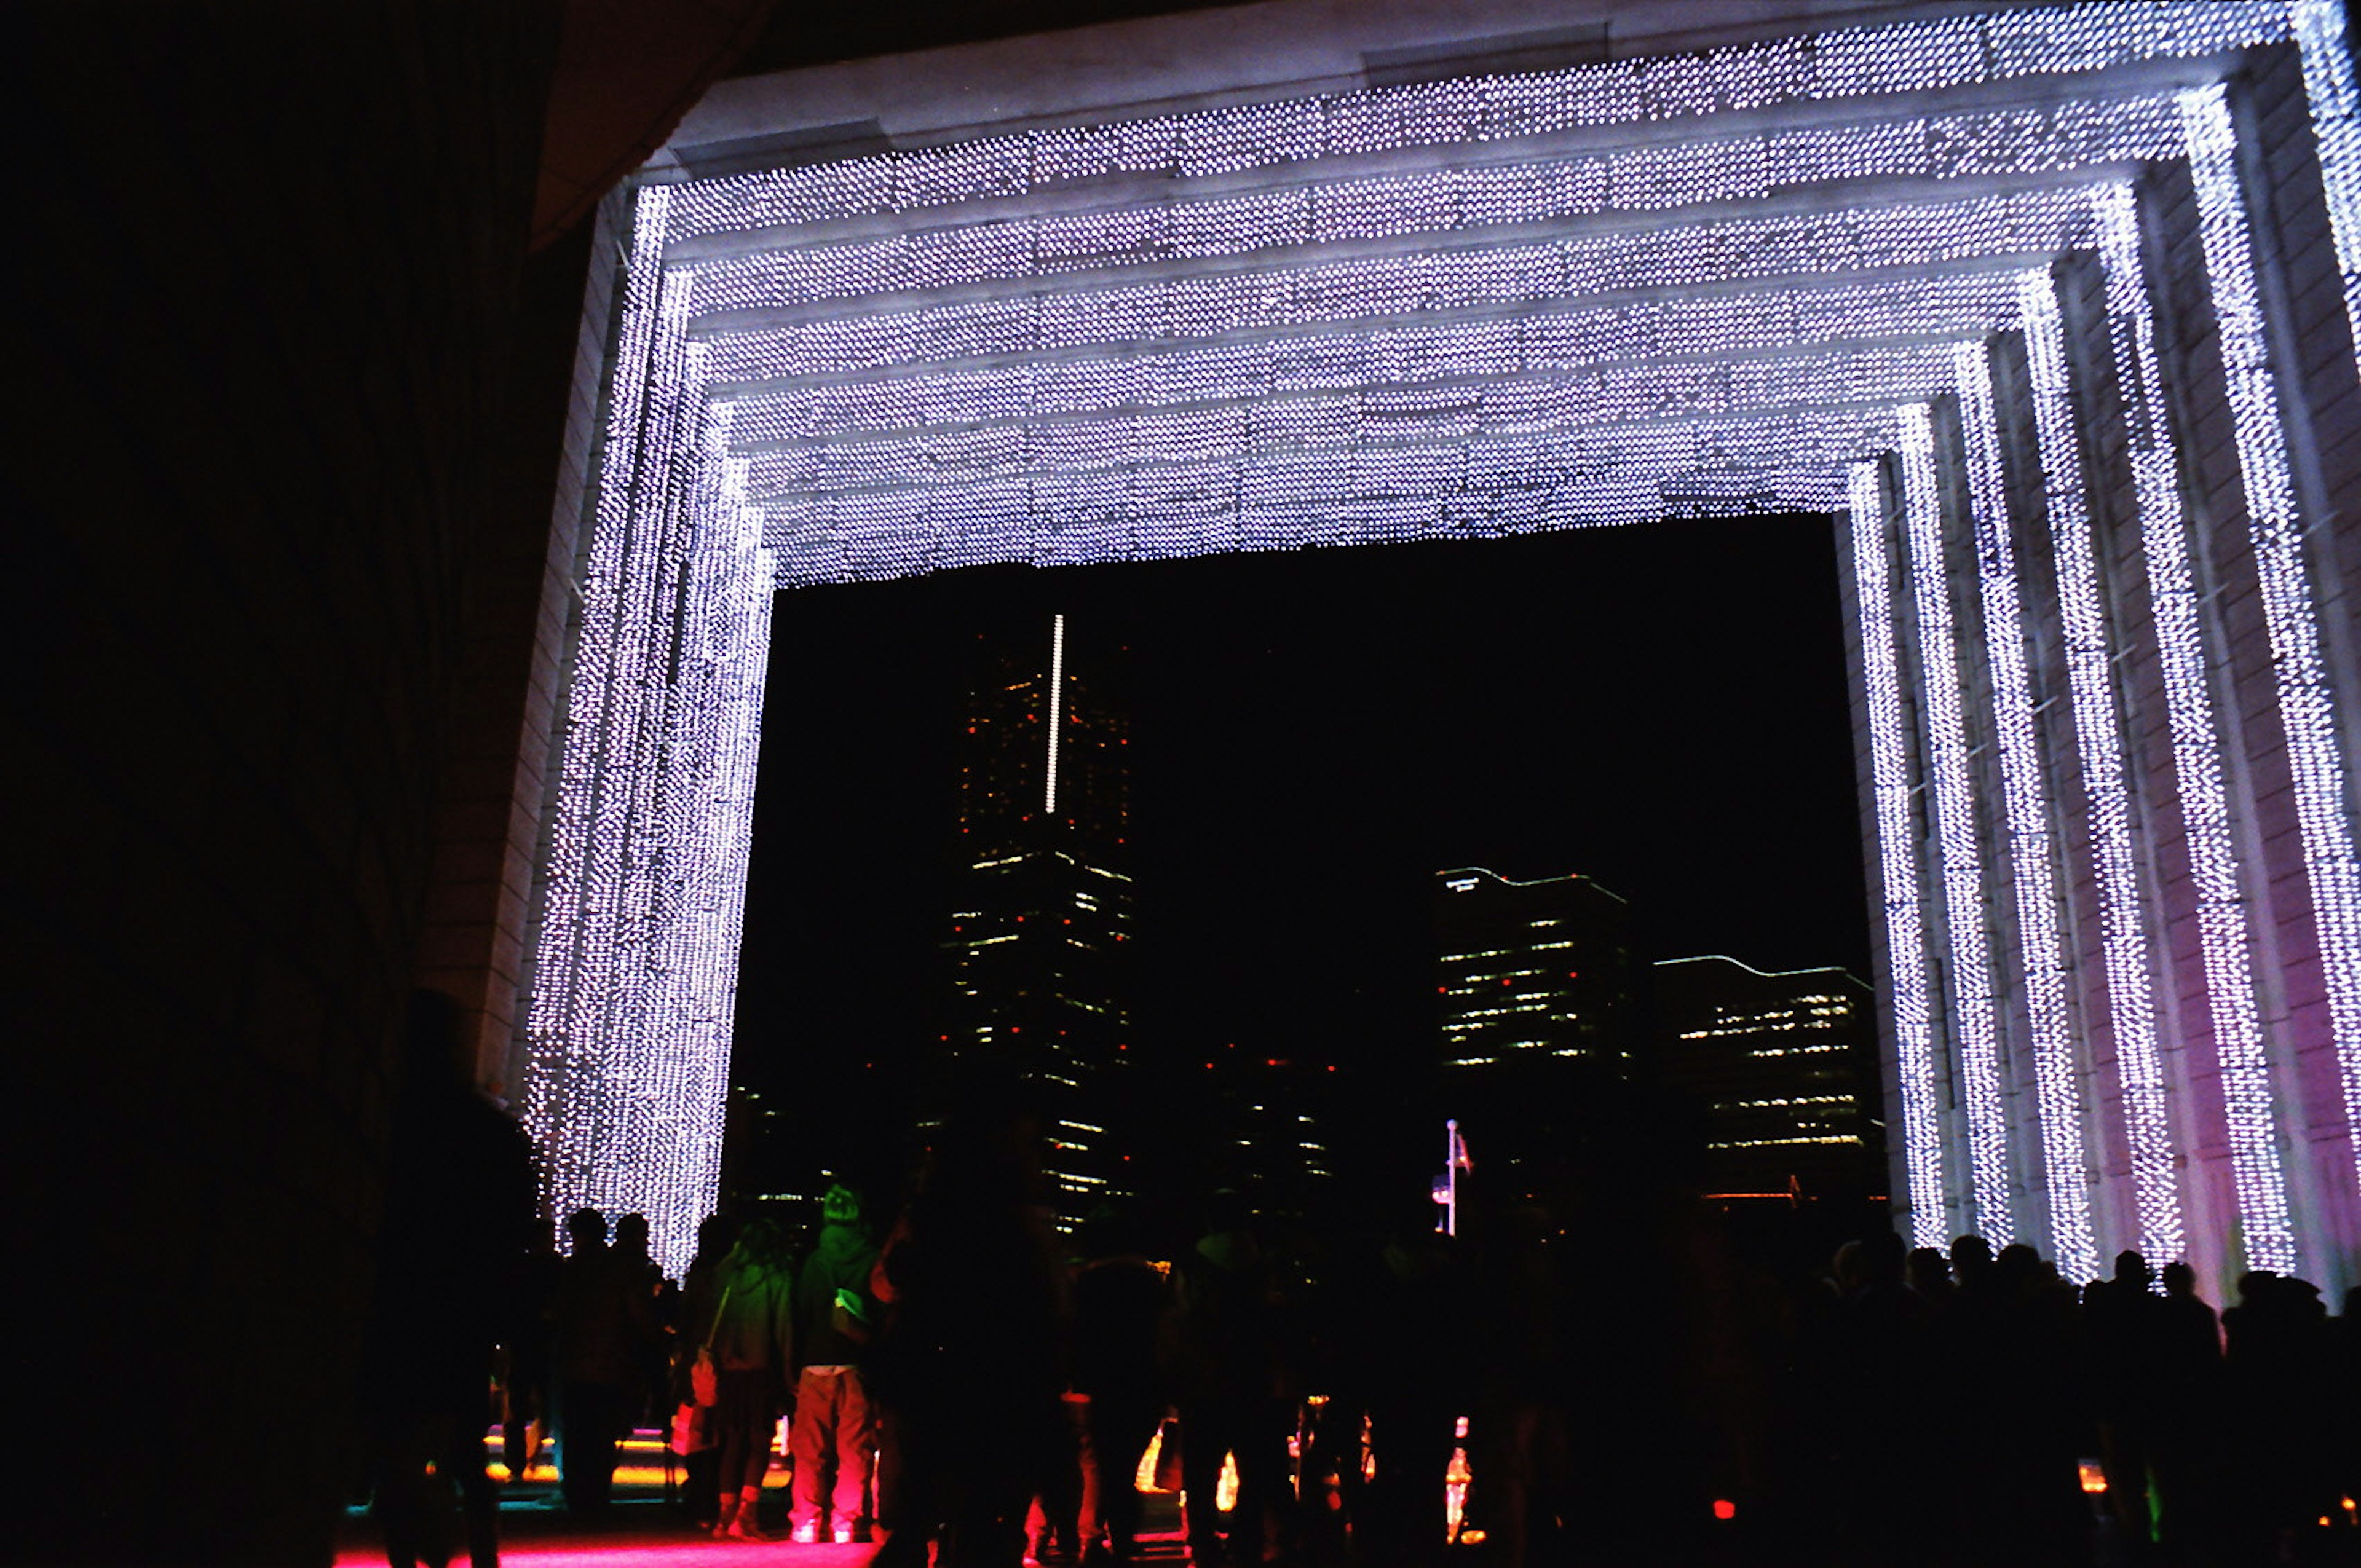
point(1450, 1176)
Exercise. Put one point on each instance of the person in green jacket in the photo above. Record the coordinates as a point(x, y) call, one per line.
point(835, 1427)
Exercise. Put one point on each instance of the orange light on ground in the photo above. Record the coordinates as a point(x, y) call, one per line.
point(1455, 1476)
point(1723, 1508)
point(1144, 1478)
point(2095, 1477)
point(634, 1444)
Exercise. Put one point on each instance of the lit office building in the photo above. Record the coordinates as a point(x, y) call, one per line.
point(1044, 906)
point(1532, 971)
point(1774, 1066)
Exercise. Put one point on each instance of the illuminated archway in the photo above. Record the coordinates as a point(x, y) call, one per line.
point(2052, 308)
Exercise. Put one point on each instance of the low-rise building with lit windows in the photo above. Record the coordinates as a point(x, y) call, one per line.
point(1532, 971)
point(1775, 1069)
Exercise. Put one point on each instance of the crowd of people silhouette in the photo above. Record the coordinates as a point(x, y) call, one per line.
point(1007, 1381)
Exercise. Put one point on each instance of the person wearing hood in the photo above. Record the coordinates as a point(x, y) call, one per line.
point(834, 1428)
point(751, 1339)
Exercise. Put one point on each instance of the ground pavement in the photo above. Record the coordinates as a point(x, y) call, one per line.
point(645, 1528)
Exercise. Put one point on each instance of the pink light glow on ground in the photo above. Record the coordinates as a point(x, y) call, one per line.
point(585, 1551)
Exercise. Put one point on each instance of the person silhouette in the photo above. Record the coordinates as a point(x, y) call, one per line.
point(458, 1225)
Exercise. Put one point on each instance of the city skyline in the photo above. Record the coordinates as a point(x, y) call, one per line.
point(1313, 740)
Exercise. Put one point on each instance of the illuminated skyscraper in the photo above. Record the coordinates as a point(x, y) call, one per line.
point(1044, 904)
point(1531, 970)
point(1776, 1066)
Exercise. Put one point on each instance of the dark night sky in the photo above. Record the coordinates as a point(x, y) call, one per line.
point(1313, 734)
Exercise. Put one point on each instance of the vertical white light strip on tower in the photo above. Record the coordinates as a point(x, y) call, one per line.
point(1975, 1035)
point(1897, 859)
point(2222, 913)
point(2124, 932)
point(2307, 706)
point(2328, 83)
point(2032, 842)
point(1056, 706)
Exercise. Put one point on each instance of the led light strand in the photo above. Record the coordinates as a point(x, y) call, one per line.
point(1082, 378)
point(2125, 937)
point(1897, 858)
point(2196, 738)
point(2306, 702)
point(627, 1036)
point(2324, 50)
point(603, 1133)
point(1492, 200)
point(713, 739)
point(1960, 862)
point(1243, 435)
point(558, 1067)
point(1861, 62)
point(2033, 851)
point(1579, 480)
point(1375, 290)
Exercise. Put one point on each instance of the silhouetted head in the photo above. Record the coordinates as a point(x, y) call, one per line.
point(2019, 1266)
point(632, 1235)
point(1110, 1229)
point(1972, 1259)
point(1930, 1271)
point(2132, 1269)
point(2179, 1279)
point(986, 1158)
point(586, 1228)
point(1848, 1267)
point(762, 1244)
point(2255, 1286)
point(841, 1206)
point(1882, 1256)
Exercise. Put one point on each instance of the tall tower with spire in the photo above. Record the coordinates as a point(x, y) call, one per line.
point(1042, 915)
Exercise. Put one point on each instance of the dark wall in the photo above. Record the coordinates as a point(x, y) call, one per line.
point(267, 275)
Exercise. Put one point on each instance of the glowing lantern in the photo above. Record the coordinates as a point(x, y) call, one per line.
point(1455, 1476)
point(1723, 1508)
point(2095, 1477)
